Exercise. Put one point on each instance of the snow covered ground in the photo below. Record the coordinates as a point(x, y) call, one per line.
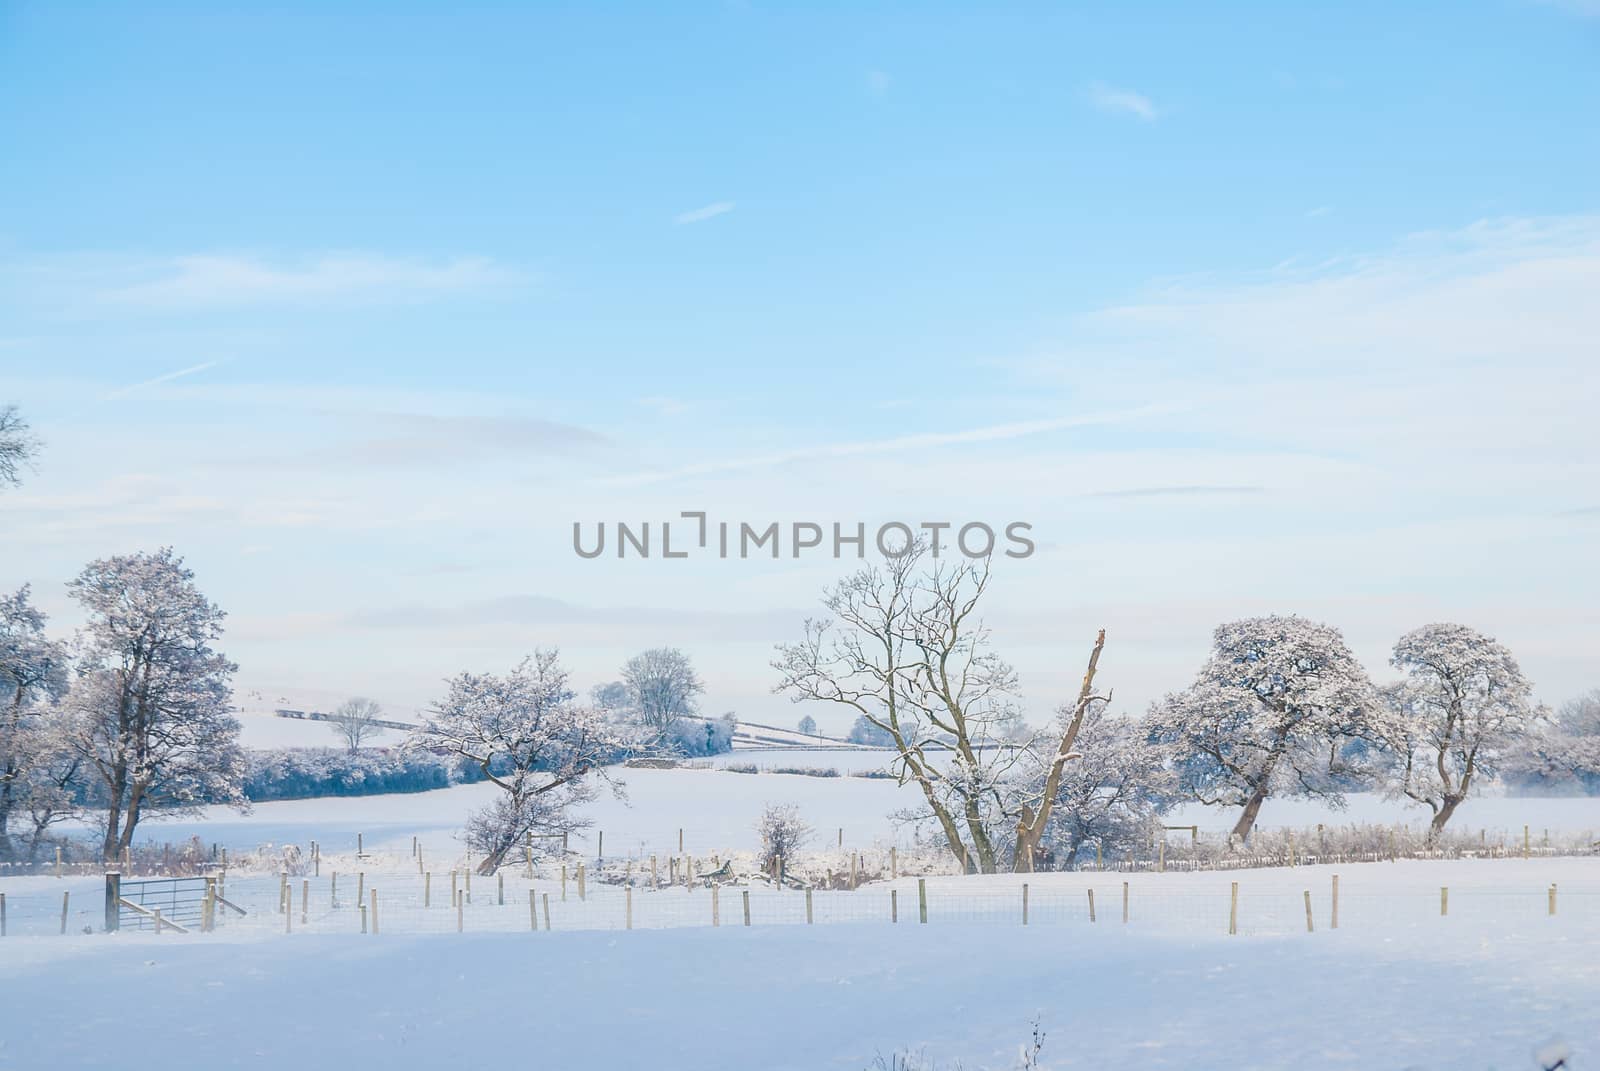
point(1396, 986)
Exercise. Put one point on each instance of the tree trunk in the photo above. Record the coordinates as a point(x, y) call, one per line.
point(1252, 808)
point(1031, 829)
point(1441, 816)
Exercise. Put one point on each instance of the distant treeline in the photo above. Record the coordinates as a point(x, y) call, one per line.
point(308, 773)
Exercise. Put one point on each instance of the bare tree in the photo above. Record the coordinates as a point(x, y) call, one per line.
point(356, 722)
point(662, 689)
point(152, 707)
point(906, 651)
point(18, 446)
point(529, 738)
point(1463, 705)
point(782, 833)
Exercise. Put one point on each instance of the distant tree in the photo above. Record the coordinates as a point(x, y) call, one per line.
point(18, 446)
point(1567, 752)
point(356, 722)
point(611, 696)
point(782, 833)
point(808, 725)
point(662, 689)
point(529, 737)
point(866, 732)
point(1278, 709)
point(1463, 706)
point(152, 706)
point(33, 765)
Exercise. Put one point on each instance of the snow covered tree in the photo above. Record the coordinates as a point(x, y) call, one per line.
point(1564, 754)
point(808, 725)
point(356, 722)
point(1463, 706)
point(663, 688)
point(152, 706)
point(782, 833)
point(1113, 795)
point(33, 677)
point(867, 733)
point(531, 739)
point(1280, 708)
point(18, 447)
point(907, 653)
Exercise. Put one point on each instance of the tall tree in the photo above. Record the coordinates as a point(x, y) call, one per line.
point(528, 737)
point(1112, 797)
point(906, 651)
point(18, 446)
point(152, 706)
point(33, 677)
point(355, 721)
point(1280, 708)
point(663, 688)
point(1462, 707)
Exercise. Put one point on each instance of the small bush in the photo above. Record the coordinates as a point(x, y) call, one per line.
point(742, 767)
point(807, 771)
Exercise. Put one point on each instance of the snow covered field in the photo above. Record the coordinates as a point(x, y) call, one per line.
point(1395, 986)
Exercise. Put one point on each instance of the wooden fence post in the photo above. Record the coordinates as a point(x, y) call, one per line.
point(427, 889)
point(1308, 912)
point(333, 888)
point(288, 909)
point(582, 894)
point(113, 901)
point(1552, 904)
point(64, 894)
point(628, 900)
point(922, 900)
point(1161, 864)
point(2, 914)
point(600, 851)
point(1124, 902)
point(747, 907)
point(500, 892)
point(563, 883)
point(305, 901)
point(894, 864)
point(1091, 905)
point(1444, 900)
point(1024, 903)
point(360, 851)
point(855, 870)
point(1233, 910)
point(158, 922)
point(468, 873)
point(361, 886)
point(894, 906)
point(655, 879)
point(716, 906)
point(1333, 921)
point(680, 840)
point(545, 898)
point(1524, 842)
point(58, 863)
point(533, 912)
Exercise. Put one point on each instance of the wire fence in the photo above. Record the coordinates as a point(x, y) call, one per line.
point(396, 902)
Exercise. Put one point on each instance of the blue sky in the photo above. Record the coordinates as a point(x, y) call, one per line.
point(1245, 308)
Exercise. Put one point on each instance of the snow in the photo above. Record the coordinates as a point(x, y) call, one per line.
point(1395, 986)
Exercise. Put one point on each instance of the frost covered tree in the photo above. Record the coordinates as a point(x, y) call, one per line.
point(355, 722)
point(152, 706)
point(663, 689)
point(1462, 707)
point(1113, 795)
point(529, 737)
point(1280, 708)
point(1564, 754)
point(782, 833)
point(867, 733)
point(34, 771)
point(18, 447)
point(905, 650)
point(808, 725)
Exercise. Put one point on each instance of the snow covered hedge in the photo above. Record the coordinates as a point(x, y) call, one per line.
point(305, 773)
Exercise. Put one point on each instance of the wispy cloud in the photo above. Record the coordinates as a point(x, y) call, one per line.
point(166, 378)
point(1122, 101)
point(1183, 491)
point(925, 441)
point(205, 279)
point(700, 215)
point(1319, 211)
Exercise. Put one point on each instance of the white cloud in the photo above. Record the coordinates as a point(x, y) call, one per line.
point(700, 215)
point(1122, 101)
point(209, 279)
